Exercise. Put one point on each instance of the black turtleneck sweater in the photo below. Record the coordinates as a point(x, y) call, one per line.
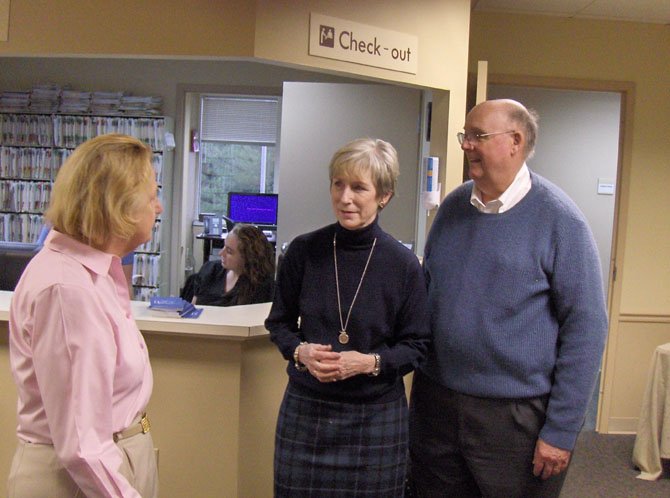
point(389, 316)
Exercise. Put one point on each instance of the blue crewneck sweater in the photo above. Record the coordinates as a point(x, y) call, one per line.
point(517, 304)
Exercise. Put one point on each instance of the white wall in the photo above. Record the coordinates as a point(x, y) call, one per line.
point(578, 144)
point(317, 119)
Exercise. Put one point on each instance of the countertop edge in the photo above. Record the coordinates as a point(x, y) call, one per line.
point(230, 323)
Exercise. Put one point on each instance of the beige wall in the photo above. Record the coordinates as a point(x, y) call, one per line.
point(535, 48)
point(128, 27)
point(442, 30)
point(442, 51)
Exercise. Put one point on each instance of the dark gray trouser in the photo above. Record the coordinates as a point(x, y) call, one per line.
point(464, 446)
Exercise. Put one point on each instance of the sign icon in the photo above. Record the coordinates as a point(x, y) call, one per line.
point(326, 36)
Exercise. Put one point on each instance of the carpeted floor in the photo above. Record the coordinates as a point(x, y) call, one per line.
point(602, 468)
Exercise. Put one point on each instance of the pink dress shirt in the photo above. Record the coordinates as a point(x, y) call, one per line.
point(79, 362)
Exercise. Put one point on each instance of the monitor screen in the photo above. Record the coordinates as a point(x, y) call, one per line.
point(257, 209)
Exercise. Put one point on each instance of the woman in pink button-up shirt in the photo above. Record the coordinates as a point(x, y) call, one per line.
point(78, 360)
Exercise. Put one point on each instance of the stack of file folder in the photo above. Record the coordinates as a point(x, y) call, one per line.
point(14, 101)
point(173, 306)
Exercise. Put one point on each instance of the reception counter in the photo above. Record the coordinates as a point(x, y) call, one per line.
point(218, 383)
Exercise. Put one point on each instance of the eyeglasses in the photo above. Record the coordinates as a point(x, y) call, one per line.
point(478, 137)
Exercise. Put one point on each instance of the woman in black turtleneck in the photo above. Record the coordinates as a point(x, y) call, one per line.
point(350, 316)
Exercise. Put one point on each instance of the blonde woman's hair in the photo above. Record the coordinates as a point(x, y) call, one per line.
point(98, 190)
point(368, 154)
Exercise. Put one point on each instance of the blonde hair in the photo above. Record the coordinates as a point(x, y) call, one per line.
point(368, 154)
point(98, 190)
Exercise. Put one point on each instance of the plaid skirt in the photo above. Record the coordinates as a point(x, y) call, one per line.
point(334, 449)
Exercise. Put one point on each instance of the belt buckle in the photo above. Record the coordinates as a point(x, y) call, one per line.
point(144, 422)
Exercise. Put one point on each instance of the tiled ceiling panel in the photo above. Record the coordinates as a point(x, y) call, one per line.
point(649, 11)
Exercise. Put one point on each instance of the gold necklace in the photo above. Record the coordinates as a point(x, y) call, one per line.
point(343, 337)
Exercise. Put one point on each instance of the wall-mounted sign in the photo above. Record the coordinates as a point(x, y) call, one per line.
point(349, 41)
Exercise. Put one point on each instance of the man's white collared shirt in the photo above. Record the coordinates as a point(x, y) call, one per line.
point(509, 198)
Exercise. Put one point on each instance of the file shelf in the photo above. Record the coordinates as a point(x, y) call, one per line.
point(33, 147)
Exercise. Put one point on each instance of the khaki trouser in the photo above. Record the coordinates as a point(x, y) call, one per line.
point(36, 471)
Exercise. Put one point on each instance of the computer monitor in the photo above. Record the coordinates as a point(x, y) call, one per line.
point(253, 208)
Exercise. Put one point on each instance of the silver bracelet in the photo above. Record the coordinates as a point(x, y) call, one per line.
point(296, 361)
point(378, 365)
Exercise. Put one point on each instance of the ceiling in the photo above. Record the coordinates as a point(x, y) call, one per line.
point(648, 11)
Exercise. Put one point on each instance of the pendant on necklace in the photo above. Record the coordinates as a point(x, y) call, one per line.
point(343, 337)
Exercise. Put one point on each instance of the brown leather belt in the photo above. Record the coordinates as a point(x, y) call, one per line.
point(141, 427)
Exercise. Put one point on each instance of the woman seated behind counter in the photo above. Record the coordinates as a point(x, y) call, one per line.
point(243, 275)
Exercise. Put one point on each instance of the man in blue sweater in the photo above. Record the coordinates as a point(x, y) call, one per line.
point(518, 319)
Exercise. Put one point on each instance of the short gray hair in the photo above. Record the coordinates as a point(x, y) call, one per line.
point(527, 119)
point(368, 154)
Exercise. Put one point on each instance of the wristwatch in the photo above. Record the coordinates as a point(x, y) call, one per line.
point(377, 367)
point(296, 361)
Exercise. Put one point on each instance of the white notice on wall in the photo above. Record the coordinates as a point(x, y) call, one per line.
point(169, 141)
point(606, 186)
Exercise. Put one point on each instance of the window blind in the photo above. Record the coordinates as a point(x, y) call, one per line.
point(234, 119)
